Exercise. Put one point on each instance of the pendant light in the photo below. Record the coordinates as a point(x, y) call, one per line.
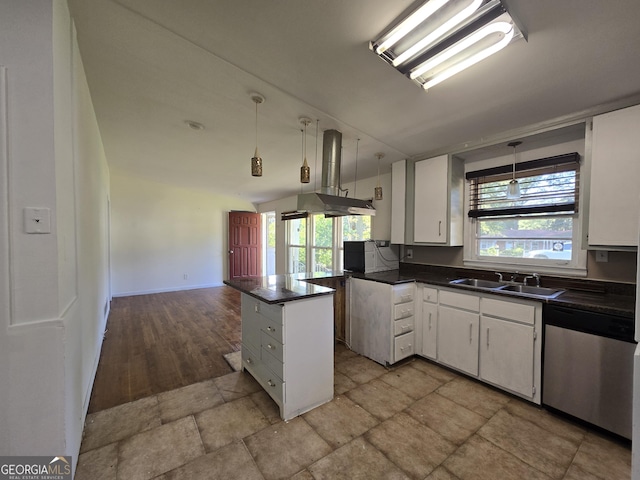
point(378, 190)
point(305, 170)
point(256, 161)
point(513, 189)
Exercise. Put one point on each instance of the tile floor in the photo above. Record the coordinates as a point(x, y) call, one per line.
point(415, 421)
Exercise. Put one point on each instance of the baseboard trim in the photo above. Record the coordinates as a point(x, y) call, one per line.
point(168, 289)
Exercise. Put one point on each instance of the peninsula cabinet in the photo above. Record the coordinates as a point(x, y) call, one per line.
point(288, 349)
point(438, 201)
point(614, 205)
point(382, 320)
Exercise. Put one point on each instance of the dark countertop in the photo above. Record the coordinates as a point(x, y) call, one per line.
point(582, 294)
point(283, 288)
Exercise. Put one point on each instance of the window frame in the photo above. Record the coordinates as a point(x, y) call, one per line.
point(471, 257)
point(337, 246)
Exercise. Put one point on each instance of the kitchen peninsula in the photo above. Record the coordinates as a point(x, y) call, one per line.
point(287, 339)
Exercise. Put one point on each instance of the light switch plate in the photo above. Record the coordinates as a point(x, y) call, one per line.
point(37, 220)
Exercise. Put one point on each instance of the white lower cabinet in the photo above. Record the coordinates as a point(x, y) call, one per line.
point(510, 352)
point(429, 323)
point(288, 349)
point(382, 320)
point(488, 337)
point(506, 354)
point(458, 332)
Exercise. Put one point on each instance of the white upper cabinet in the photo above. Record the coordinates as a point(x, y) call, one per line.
point(614, 206)
point(398, 199)
point(438, 197)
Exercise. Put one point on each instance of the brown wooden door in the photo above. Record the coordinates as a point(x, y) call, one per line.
point(245, 245)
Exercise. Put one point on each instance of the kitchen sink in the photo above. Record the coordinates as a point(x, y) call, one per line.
point(528, 290)
point(531, 290)
point(478, 283)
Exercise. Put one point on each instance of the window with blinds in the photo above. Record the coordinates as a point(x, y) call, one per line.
point(538, 224)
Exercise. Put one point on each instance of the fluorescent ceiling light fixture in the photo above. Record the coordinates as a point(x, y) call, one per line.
point(444, 37)
point(410, 23)
point(438, 33)
point(502, 27)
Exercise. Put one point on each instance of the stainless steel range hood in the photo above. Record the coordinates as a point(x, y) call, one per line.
point(328, 202)
point(333, 205)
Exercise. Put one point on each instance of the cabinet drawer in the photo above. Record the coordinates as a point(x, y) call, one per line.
point(460, 300)
point(404, 346)
point(509, 310)
point(273, 363)
point(272, 312)
point(430, 294)
point(403, 293)
point(404, 325)
point(249, 357)
point(273, 385)
point(403, 310)
point(273, 328)
point(271, 345)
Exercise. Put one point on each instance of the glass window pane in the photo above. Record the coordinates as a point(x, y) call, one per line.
point(531, 237)
point(322, 259)
point(297, 259)
point(322, 231)
point(298, 231)
point(356, 227)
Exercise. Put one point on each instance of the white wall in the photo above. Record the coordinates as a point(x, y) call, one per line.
point(161, 233)
point(53, 287)
point(381, 222)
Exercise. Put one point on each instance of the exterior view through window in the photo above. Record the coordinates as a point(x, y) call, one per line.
point(538, 225)
point(314, 244)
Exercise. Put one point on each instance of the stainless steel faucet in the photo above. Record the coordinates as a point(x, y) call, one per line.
point(532, 276)
point(499, 276)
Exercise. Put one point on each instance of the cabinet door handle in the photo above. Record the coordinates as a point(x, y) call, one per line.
point(270, 383)
point(487, 337)
point(439, 228)
point(429, 320)
point(470, 332)
point(270, 347)
point(249, 360)
point(269, 329)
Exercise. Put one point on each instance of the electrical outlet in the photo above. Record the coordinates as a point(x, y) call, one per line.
point(186, 276)
point(409, 252)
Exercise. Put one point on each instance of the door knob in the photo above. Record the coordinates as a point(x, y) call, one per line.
point(230, 251)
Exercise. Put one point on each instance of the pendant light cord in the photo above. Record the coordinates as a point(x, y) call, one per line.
point(302, 132)
point(256, 125)
point(315, 166)
point(355, 180)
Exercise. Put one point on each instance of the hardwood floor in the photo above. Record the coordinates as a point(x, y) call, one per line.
point(155, 343)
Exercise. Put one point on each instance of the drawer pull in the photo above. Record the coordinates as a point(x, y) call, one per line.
point(270, 347)
point(249, 360)
point(402, 349)
point(270, 383)
point(404, 327)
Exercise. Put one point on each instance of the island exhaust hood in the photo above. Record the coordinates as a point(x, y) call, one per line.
point(328, 201)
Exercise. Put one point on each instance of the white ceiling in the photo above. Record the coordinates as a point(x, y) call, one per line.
point(152, 64)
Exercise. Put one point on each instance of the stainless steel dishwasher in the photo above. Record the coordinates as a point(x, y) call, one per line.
point(588, 366)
